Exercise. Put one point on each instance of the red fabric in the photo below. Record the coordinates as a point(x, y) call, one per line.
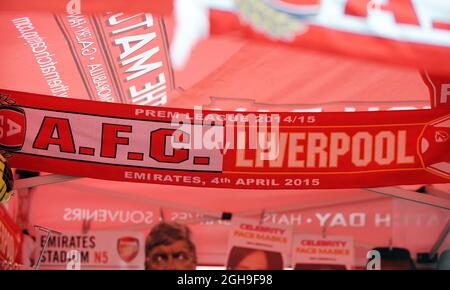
point(260, 77)
point(316, 150)
point(223, 72)
point(370, 45)
point(10, 241)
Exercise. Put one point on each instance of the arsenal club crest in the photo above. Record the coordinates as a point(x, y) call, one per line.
point(435, 137)
point(127, 248)
point(12, 128)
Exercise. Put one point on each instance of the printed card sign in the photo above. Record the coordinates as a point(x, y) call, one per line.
point(258, 246)
point(322, 251)
point(95, 250)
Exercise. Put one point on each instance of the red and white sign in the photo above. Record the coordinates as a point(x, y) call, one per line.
point(318, 250)
point(226, 149)
point(115, 250)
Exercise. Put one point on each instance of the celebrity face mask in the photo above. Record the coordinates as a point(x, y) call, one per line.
point(256, 260)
